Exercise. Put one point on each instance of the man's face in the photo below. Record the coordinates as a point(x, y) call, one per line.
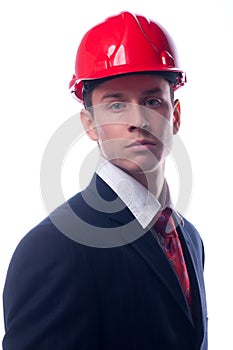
point(133, 121)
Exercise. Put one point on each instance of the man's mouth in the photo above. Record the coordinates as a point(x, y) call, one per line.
point(141, 145)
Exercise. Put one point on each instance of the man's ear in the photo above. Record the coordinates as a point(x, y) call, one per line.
point(176, 116)
point(88, 123)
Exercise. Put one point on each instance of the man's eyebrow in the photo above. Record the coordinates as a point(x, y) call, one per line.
point(112, 95)
point(121, 95)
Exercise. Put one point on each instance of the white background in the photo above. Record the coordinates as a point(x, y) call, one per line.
point(38, 43)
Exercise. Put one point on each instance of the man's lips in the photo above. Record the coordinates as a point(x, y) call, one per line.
point(142, 145)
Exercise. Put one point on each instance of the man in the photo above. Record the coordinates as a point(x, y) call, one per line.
point(99, 272)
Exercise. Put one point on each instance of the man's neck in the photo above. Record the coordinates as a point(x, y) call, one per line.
point(153, 181)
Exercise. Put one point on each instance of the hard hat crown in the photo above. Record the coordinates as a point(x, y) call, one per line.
point(125, 43)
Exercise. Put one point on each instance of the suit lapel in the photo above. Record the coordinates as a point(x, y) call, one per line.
point(151, 252)
point(196, 274)
point(130, 232)
point(148, 248)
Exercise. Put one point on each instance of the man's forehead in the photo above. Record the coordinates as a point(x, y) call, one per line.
point(90, 85)
point(144, 85)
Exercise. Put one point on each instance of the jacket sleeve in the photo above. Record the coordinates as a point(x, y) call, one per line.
point(47, 295)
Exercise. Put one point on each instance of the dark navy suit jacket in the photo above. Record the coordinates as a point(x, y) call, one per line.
point(63, 295)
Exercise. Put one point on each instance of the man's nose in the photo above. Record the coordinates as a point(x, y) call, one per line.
point(138, 118)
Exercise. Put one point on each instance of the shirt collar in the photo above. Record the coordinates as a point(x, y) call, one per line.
point(142, 203)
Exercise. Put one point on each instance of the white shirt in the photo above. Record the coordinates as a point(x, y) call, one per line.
point(142, 203)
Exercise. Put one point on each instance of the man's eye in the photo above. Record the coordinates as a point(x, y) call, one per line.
point(117, 106)
point(153, 102)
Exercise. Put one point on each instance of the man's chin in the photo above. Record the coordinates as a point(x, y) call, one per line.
point(133, 168)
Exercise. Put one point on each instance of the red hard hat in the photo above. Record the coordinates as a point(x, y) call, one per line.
point(125, 43)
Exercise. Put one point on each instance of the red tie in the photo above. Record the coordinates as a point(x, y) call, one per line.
point(166, 227)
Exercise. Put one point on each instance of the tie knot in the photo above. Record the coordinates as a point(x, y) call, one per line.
point(165, 224)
